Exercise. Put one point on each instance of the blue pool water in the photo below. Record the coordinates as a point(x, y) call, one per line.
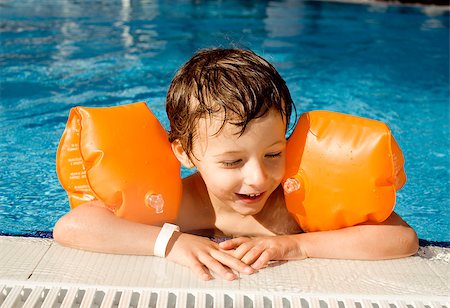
point(381, 61)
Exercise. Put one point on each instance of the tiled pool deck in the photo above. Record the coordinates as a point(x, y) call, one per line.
point(34, 267)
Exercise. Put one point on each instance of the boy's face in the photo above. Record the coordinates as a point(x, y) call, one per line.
point(241, 171)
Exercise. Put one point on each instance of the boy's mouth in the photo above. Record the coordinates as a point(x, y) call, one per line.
point(250, 197)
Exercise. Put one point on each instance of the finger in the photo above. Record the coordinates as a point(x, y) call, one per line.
point(215, 266)
point(252, 255)
point(232, 262)
point(243, 249)
point(263, 260)
point(233, 243)
point(201, 271)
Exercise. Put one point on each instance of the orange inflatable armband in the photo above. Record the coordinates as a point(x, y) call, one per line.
point(341, 170)
point(120, 155)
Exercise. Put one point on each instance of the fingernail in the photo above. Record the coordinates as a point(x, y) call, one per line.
point(230, 276)
point(258, 266)
point(206, 277)
point(249, 270)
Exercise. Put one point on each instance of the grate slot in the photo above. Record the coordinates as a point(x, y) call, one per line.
point(350, 303)
point(35, 298)
point(88, 299)
point(227, 301)
point(50, 297)
point(295, 301)
point(144, 299)
point(384, 304)
point(69, 298)
point(13, 297)
point(108, 299)
point(125, 299)
point(3, 293)
point(181, 299)
point(402, 304)
point(333, 303)
point(314, 302)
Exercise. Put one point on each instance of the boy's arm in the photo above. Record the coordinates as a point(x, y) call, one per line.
point(93, 227)
point(393, 238)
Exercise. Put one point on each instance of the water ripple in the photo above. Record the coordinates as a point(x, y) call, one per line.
point(381, 61)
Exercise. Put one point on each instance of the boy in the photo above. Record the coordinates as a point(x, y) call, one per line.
point(229, 110)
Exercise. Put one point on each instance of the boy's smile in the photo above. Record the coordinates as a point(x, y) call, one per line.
point(249, 198)
point(241, 171)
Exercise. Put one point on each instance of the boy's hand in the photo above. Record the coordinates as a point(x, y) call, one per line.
point(258, 252)
point(205, 257)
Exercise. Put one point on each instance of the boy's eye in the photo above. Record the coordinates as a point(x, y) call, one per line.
point(273, 155)
point(231, 163)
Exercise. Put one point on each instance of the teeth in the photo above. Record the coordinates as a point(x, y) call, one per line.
point(253, 195)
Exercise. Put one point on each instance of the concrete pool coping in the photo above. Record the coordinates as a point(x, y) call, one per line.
point(423, 279)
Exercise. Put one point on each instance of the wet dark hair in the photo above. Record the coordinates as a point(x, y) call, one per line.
point(236, 84)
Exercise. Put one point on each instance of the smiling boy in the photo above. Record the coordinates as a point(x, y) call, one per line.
point(229, 110)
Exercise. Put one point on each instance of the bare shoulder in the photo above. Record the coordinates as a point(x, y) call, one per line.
point(196, 211)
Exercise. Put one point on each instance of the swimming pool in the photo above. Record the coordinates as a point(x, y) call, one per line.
point(381, 61)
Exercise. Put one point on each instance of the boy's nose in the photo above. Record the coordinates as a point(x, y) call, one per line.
point(255, 174)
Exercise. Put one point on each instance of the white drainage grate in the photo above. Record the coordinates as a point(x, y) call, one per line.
point(90, 297)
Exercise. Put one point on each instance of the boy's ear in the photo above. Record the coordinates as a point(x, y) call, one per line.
point(181, 155)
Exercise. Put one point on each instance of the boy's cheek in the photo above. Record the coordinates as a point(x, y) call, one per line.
point(218, 178)
point(279, 169)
